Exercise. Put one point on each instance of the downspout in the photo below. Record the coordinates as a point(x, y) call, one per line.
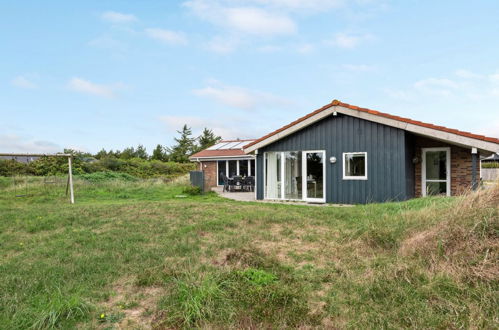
point(474, 166)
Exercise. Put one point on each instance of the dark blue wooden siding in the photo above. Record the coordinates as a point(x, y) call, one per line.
point(389, 158)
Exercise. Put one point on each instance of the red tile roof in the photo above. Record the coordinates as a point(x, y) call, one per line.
point(377, 113)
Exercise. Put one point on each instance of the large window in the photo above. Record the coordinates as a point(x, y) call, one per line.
point(231, 168)
point(243, 168)
point(355, 166)
point(273, 175)
point(436, 171)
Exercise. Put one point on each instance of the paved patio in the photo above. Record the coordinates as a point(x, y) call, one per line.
point(250, 197)
point(241, 196)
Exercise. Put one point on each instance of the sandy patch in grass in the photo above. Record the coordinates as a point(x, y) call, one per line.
point(134, 304)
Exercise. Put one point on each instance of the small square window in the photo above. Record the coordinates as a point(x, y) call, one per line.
point(355, 166)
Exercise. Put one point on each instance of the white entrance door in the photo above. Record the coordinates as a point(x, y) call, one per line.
point(435, 172)
point(314, 176)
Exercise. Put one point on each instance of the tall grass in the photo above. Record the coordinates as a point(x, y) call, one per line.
point(131, 254)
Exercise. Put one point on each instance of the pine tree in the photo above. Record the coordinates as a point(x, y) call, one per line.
point(184, 147)
point(127, 153)
point(141, 152)
point(207, 139)
point(102, 154)
point(159, 153)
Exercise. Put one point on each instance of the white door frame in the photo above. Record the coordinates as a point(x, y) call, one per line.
point(304, 176)
point(423, 169)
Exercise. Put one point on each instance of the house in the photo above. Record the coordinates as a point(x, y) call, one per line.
point(226, 157)
point(342, 153)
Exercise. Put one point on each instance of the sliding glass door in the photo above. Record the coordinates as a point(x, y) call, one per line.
point(313, 180)
point(295, 175)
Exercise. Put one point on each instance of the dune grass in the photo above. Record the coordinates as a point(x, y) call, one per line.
point(139, 254)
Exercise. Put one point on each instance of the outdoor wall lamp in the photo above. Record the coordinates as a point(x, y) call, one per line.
point(332, 160)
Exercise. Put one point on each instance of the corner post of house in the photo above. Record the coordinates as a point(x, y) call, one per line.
point(474, 168)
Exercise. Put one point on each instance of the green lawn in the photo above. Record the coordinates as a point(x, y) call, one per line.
point(136, 255)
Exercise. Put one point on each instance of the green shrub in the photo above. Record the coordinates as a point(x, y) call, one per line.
point(490, 165)
point(192, 190)
point(106, 176)
point(136, 167)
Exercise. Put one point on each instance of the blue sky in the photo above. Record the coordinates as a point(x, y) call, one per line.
point(111, 74)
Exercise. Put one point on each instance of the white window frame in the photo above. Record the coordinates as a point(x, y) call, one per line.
point(350, 177)
point(423, 170)
point(237, 168)
point(265, 175)
point(304, 176)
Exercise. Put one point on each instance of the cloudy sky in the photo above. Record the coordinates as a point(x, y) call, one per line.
point(93, 74)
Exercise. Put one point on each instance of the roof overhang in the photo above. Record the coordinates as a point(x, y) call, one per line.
point(215, 158)
point(416, 129)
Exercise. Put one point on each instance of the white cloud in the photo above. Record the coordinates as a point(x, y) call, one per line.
point(238, 97)
point(348, 40)
point(14, 143)
point(469, 89)
point(115, 17)
point(274, 5)
point(258, 21)
point(23, 82)
point(167, 36)
point(300, 5)
point(241, 17)
point(84, 86)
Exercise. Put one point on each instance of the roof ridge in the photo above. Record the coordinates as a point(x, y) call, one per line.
point(336, 102)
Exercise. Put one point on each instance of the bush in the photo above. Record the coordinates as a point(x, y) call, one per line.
point(192, 190)
point(490, 165)
point(106, 176)
point(135, 167)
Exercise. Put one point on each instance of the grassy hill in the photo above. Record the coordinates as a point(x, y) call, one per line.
point(141, 254)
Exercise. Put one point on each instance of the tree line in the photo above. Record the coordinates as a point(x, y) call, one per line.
point(164, 161)
point(185, 145)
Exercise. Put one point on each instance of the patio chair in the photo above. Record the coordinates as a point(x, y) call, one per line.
point(225, 180)
point(249, 183)
point(238, 182)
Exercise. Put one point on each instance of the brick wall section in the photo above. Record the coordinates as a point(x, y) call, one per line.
point(460, 166)
point(210, 174)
